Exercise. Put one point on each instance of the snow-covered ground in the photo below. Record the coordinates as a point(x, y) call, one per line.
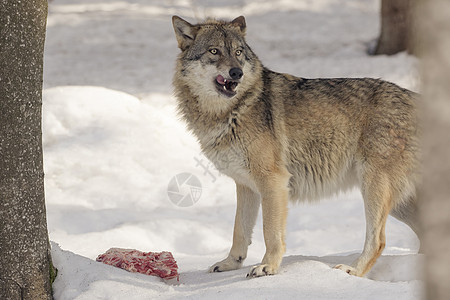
point(113, 143)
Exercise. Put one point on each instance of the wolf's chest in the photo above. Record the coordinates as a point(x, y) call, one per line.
point(228, 155)
point(228, 160)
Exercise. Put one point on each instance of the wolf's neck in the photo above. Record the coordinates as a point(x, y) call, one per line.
point(194, 113)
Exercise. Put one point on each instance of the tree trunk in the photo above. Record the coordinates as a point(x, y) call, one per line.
point(434, 45)
point(25, 261)
point(396, 21)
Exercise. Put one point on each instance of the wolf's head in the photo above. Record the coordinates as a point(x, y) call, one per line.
point(216, 64)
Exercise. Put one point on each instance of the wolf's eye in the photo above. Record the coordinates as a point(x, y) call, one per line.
point(214, 51)
point(238, 52)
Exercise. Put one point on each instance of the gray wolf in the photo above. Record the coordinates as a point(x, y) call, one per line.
point(285, 137)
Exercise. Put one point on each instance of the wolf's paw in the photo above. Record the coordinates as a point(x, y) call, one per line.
point(261, 270)
point(347, 269)
point(227, 264)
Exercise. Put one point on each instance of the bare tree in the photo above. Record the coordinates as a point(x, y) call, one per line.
point(396, 27)
point(433, 47)
point(25, 262)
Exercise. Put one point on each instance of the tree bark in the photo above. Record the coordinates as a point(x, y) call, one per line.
point(25, 261)
point(433, 47)
point(396, 25)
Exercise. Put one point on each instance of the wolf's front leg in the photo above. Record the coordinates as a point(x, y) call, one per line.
point(246, 213)
point(274, 207)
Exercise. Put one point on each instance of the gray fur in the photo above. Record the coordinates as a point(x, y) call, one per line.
point(319, 136)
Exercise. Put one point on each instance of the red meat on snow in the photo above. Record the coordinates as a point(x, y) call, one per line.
point(160, 264)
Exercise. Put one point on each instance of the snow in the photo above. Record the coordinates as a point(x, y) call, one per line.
point(113, 142)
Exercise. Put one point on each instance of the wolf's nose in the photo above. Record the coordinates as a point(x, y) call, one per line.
point(236, 73)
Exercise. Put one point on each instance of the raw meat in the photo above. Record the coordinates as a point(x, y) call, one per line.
point(160, 264)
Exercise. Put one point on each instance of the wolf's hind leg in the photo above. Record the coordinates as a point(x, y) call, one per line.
point(246, 213)
point(377, 204)
point(408, 213)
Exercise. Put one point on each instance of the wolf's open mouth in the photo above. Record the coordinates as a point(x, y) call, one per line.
point(226, 86)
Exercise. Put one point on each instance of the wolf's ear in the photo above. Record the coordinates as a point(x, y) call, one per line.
point(240, 22)
point(184, 31)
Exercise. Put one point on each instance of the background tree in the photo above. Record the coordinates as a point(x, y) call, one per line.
point(396, 27)
point(433, 47)
point(25, 261)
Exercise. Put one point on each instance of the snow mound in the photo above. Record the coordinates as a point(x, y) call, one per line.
point(102, 146)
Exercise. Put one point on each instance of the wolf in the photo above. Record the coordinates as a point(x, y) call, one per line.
point(291, 138)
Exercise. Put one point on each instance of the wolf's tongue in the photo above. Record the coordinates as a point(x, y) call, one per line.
point(220, 79)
